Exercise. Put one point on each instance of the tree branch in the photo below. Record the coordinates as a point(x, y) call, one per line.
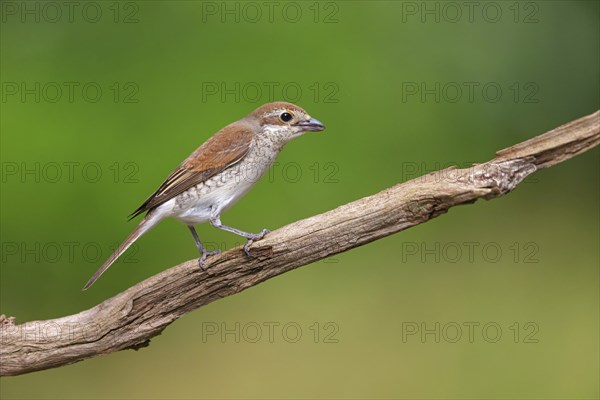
point(130, 319)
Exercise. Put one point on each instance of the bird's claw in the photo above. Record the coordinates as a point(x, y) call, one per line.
point(251, 239)
point(203, 258)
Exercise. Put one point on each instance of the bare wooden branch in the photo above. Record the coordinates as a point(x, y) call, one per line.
point(130, 319)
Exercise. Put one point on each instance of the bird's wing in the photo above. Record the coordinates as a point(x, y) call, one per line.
point(225, 148)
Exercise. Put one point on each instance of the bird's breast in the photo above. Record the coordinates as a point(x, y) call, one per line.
point(213, 196)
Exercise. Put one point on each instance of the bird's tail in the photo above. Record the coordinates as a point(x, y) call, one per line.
point(151, 219)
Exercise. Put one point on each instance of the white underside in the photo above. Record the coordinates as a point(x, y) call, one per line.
point(207, 206)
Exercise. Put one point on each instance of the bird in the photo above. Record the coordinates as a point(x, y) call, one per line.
point(217, 174)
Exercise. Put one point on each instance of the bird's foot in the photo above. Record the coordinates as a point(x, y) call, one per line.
point(203, 258)
point(252, 237)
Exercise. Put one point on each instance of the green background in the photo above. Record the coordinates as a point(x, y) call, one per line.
point(353, 62)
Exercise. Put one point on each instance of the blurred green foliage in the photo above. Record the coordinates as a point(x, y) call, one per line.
point(98, 108)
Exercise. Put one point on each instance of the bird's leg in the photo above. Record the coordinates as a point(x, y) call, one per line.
point(216, 222)
point(201, 249)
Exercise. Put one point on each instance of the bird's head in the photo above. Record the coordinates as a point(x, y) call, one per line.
point(283, 122)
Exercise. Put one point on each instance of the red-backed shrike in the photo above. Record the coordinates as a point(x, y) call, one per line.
point(219, 173)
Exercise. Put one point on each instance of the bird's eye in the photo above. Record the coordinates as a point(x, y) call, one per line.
point(286, 117)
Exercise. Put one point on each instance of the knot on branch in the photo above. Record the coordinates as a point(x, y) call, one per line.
point(502, 177)
point(6, 321)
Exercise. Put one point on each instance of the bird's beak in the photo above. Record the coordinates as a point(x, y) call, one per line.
point(311, 125)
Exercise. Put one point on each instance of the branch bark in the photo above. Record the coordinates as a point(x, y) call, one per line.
point(130, 319)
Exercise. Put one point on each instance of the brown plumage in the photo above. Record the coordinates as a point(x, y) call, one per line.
point(225, 148)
